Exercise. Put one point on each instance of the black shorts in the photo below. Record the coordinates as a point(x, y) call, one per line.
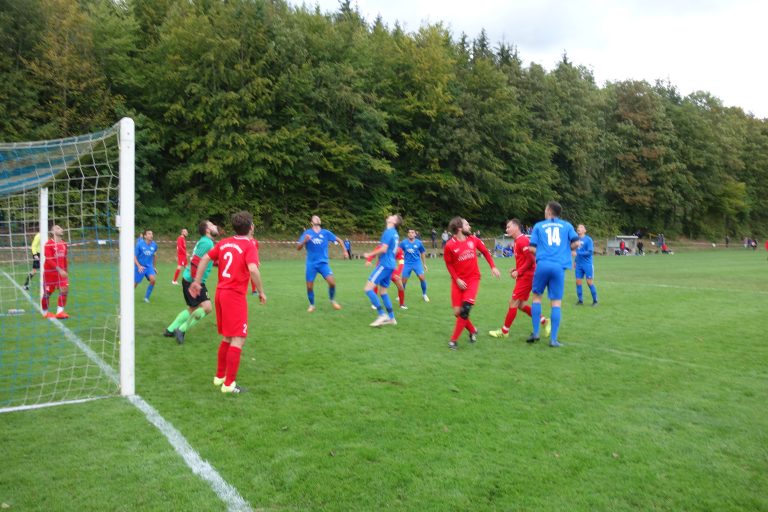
point(193, 302)
point(36, 261)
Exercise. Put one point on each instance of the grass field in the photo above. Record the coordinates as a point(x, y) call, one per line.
point(657, 401)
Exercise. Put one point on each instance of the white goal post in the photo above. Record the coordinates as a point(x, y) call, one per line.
point(84, 348)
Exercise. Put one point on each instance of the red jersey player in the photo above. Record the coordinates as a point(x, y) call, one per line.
point(525, 264)
point(397, 276)
point(460, 255)
point(55, 274)
point(237, 264)
point(181, 254)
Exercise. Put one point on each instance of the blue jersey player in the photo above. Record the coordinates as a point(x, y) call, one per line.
point(145, 261)
point(382, 274)
point(583, 265)
point(552, 241)
point(316, 240)
point(415, 261)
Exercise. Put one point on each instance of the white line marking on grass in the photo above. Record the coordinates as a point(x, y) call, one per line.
point(202, 468)
point(679, 287)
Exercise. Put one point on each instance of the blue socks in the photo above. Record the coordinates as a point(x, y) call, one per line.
point(331, 292)
point(149, 291)
point(387, 304)
point(311, 297)
point(555, 319)
point(579, 292)
point(423, 287)
point(536, 317)
point(375, 301)
point(593, 290)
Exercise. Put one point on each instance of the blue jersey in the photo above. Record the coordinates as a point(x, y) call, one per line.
point(584, 252)
point(317, 247)
point(552, 239)
point(389, 238)
point(412, 250)
point(145, 253)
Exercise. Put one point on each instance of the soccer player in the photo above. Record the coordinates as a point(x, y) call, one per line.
point(525, 265)
point(200, 306)
point(583, 266)
point(55, 274)
point(145, 260)
point(181, 254)
point(415, 261)
point(35, 248)
point(382, 274)
point(397, 276)
point(236, 257)
point(552, 241)
point(316, 240)
point(460, 257)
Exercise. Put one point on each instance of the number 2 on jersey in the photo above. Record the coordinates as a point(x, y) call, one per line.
point(228, 257)
point(553, 235)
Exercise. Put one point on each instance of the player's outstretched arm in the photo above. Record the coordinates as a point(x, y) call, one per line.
point(256, 280)
point(303, 242)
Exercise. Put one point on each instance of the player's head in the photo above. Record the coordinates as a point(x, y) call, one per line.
point(148, 235)
point(394, 220)
point(553, 210)
point(581, 230)
point(514, 228)
point(316, 220)
point(242, 223)
point(411, 234)
point(184, 232)
point(57, 230)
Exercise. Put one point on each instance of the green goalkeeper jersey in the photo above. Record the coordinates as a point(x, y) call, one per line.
point(202, 247)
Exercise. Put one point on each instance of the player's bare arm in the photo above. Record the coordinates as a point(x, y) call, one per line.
point(138, 265)
point(379, 250)
point(197, 284)
point(256, 280)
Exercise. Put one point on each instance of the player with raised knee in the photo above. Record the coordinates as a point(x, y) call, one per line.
point(145, 262)
point(415, 261)
point(55, 273)
point(316, 240)
point(382, 274)
point(583, 266)
point(552, 241)
point(525, 265)
point(460, 255)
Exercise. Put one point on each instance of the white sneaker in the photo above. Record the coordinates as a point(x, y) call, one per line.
point(373, 307)
point(426, 299)
point(175, 282)
point(380, 320)
point(310, 309)
point(390, 321)
point(403, 307)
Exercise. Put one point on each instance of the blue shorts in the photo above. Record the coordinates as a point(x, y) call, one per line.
point(323, 268)
point(587, 271)
point(138, 276)
point(381, 276)
point(551, 277)
point(413, 267)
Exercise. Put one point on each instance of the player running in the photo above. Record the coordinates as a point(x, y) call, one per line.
point(382, 274)
point(583, 266)
point(236, 257)
point(55, 273)
point(200, 306)
point(145, 261)
point(316, 240)
point(415, 261)
point(181, 254)
point(460, 255)
point(525, 265)
point(552, 241)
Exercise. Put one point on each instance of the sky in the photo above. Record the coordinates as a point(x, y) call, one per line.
point(717, 46)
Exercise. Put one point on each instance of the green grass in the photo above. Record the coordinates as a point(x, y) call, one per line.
point(657, 402)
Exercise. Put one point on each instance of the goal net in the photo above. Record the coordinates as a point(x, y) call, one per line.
point(76, 196)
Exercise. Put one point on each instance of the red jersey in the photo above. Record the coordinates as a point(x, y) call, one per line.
point(461, 258)
point(233, 256)
point(399, 257)
point(525, 261)
point(55, 257)
point(181, 246)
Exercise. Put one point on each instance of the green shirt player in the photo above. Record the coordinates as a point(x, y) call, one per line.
point(200, 305)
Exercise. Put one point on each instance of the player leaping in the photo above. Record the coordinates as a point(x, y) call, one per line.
point(316, 240)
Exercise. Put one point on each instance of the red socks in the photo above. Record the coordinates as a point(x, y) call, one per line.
point(401, 296)
point(233, 364)
point(62, 300)
point(526, 309)
point(460, 324)
point(176, 275)
point(221, 368)
point(511, 314)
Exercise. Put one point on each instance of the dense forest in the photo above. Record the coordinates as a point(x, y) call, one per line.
point(287, 111)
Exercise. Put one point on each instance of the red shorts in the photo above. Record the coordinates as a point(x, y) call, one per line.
point(522, 288)
point(231, 313)
point(181, 259)
point(53, 281)
point(459, 296)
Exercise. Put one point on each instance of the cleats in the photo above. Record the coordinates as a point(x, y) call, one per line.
point(335, 305)
point(175, 282)
point(179, 336)
point(380, 320)
point(594, 304)
point(62, 315)
point(48, 314)
point(555, 344)
point(473, 337)
point(310, 309)
point(232, 389)
point(26, 287)
point(373, 307)
point(426, 299)
point(218, 381)
point(404, 307)
point(168, 334)
point(390, 321)
point(532, 339)
point(452, 345)
point(580, 303)
point(146, 300)
point(498, 334)
point(547, 325)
